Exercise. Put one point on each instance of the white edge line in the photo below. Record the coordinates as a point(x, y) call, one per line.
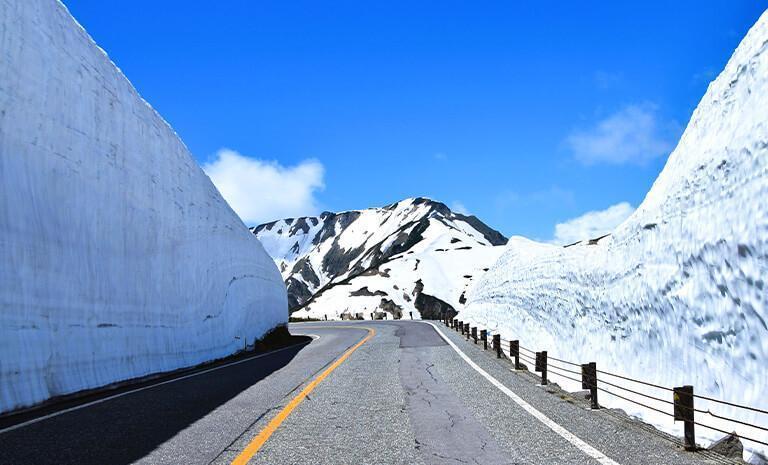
point(105, 399)
point(564, 433)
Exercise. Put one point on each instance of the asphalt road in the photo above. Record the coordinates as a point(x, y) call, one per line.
point(403, 397)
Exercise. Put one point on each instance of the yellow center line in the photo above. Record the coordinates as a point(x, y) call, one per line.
point(272, 426)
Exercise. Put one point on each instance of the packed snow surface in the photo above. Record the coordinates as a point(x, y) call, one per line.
point(119, 257)
point(677, 294)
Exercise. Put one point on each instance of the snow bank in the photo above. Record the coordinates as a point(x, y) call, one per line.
point(677, 294)
point(119, 257)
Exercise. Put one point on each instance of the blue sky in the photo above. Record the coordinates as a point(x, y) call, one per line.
point(526, 114)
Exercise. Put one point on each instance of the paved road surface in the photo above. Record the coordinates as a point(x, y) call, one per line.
point(403, 397)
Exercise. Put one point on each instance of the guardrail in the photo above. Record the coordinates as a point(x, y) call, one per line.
point(681, 397)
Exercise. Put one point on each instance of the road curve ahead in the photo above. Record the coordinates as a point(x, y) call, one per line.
point(359, 393)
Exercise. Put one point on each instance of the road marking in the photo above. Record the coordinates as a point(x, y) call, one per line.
point(105, 399)
point(564, 433)
point(254, 446)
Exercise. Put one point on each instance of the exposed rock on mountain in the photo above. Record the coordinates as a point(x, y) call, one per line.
point(411, 256)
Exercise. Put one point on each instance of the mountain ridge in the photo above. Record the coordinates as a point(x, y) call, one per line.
point(317, 253)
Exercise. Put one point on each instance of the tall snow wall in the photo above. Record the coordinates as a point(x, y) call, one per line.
point(677, 294)
point(118, 256)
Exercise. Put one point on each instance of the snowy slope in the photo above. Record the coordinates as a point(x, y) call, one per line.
point(119, 257)
point(676, 295)
point(373, 260)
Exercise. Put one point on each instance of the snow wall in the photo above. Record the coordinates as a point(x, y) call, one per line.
point(119, 257)
point(677, 294)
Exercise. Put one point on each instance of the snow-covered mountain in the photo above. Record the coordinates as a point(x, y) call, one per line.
point(677, 293)
point(415, 255)
point(119, 256)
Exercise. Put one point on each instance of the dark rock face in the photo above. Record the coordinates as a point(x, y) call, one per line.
point(337, 261)
point(299, 225)
point(298, 292)
point(491, 235)
point(295, 248)
point(365, 292)
point(391, 307)
point(417, 288)
point(330, 221)
point(432, 308)
point(304, 269)
point(262, 227)
point(340, 265)
point(729, 446)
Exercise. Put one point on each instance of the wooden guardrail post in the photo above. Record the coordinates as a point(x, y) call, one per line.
point(466, 330)
point(541, 365)
point(497, 344)
point(683, 409)
point(474, 334)
point(514, 352)
point(461, 327)
point(589, 381)
point(484, 338)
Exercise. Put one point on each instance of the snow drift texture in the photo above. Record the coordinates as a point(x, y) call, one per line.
point(119, 257)
point(677, 294)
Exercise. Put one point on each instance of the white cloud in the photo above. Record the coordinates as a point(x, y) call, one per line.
point(261, 191)
point(635, 134)
point(592, 224)
point(458, 207)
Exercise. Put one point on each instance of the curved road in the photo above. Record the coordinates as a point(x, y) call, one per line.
point(409, 395)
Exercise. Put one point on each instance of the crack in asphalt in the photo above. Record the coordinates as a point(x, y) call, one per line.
point(445, 431)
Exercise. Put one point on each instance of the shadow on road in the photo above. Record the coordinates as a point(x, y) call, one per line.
point(123, 430)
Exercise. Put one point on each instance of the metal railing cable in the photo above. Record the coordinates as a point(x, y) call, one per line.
point(745, 407)
point(527, 349)
point(565, 369)
point(527, 358)
point(633, 401)
point(709, 412)
point(562, 375)
point(635, 380)
point(563, 361)
point(560, 371)
point(635, 392)
point(730, 432)
point(695, 422)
